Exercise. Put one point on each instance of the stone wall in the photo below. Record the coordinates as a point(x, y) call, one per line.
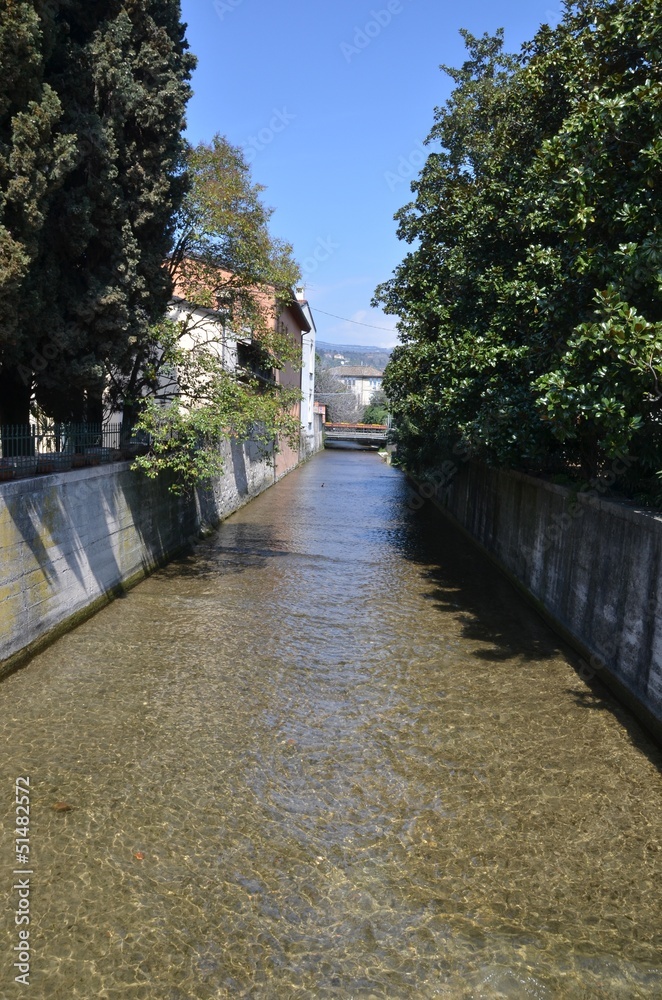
point(70, 541)
point(317, 443)
point(593, 566)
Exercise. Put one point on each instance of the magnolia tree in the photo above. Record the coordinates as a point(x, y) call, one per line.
point(529, 302)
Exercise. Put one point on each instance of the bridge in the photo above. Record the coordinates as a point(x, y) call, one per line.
point(368, 434)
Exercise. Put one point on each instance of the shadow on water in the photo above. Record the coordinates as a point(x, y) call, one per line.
point(499, 625)
point(600, 699)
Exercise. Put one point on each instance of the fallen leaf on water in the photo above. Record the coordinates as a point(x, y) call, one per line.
point(61, 807)
point(139, 856)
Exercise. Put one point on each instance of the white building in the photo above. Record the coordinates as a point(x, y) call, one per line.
point(210, 327)
point(307, 376)
point(362, 380)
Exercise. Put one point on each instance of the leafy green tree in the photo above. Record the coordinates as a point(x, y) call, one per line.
point(223, 244)
point(232, 279)
point(462, 340)
point(377, 410)
point(199, 403)
point(530, 306)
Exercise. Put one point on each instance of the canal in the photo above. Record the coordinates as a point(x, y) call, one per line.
point(330, 754)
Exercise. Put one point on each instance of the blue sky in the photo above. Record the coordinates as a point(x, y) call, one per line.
point(331, 102)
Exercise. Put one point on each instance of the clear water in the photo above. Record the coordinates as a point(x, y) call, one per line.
point(331, 754)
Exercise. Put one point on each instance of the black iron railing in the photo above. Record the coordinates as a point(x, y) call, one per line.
point(35, 449)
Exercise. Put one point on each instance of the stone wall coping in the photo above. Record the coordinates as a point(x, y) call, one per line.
point(47, 480)
point(616, 508)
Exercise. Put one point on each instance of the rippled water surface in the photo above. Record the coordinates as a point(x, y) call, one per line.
point(331, 754)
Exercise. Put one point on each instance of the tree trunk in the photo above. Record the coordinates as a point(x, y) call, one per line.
point(14, 411)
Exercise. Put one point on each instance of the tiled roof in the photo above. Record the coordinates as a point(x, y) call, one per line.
point(356, 371)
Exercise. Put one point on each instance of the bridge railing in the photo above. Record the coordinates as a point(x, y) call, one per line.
point(370, 429)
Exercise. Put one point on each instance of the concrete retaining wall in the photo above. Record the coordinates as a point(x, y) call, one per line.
point(69, 541)
point(592, 565)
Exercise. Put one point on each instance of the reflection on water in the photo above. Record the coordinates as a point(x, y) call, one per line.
point(351, 764)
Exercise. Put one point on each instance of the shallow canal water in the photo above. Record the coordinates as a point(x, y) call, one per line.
point(331, 754)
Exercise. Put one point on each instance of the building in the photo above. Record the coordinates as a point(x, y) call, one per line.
point(307, 377)
point(212, 327)
point(291, 319)
point(362, 380)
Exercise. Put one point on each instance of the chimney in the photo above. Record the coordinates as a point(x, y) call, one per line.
point(301, 294)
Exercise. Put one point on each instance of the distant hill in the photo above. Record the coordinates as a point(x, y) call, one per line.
point(352, 354)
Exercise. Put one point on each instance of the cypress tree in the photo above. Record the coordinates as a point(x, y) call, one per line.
point(119, 70)
point(35, 157)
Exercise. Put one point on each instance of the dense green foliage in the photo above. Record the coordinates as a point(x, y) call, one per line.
point(91, 110)
point(377, 410)
point(33, 156)
point(223, 245)
point(104, 212)
point(530, 303)
point(206, 403)
point(232, 279)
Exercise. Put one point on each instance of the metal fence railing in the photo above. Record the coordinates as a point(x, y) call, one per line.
point(35, 449)
point(356, 430)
